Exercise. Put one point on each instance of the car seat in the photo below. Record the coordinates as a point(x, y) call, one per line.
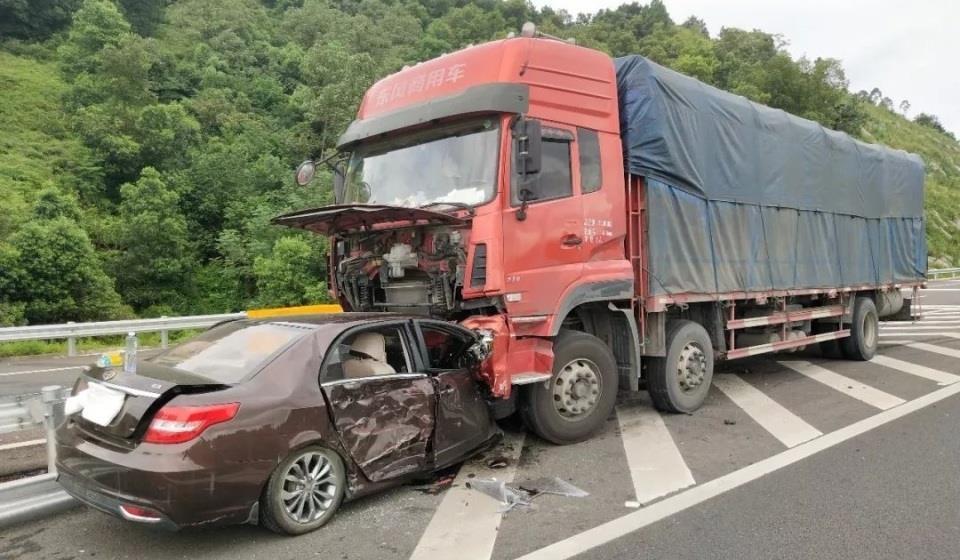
point(368, 356)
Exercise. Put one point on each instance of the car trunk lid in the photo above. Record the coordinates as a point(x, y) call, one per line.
point(119, 404)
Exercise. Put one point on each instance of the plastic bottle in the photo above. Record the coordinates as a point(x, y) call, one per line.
point(130, 356)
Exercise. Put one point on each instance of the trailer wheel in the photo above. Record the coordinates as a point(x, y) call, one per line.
point(579, 397)
point(680, 381)
point(864, 331)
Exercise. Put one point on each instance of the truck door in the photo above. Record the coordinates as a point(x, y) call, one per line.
point(543, 249)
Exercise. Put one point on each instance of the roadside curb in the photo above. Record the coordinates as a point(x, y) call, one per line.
point(31, 498)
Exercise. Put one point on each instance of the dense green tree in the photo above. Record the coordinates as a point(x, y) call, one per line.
point(34, 19)
point(59, 274)
point(97, 24)
point(154, 258)
point(290, 275)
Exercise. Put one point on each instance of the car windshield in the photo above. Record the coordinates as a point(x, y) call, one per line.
point(230, 352)
point(451, 165)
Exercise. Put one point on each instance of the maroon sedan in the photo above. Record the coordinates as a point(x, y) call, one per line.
point(274, 421)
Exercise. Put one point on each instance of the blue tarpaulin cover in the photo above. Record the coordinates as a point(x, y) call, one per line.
point(743, 197)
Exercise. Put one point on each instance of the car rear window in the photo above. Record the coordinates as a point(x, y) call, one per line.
point(231, 352)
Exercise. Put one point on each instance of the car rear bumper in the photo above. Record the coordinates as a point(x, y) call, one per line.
point(107, 502)
point(167, 479)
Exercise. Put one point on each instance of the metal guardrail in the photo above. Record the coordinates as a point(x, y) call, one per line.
point(35, 496)
point(37, 409)
point(943, 273)
point(72, 331)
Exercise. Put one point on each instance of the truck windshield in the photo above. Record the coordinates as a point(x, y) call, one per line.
point(456, 164)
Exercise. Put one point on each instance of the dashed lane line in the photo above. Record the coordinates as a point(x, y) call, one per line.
point(622, 526)
point(850, 387)
point(51, 370)
point(465, 524)
point(19, 444)
point(940, 377)
point(784, 425)
point(952, 352)
point(656, 465)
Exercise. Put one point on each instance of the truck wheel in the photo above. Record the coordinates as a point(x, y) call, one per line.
point(680, 381)
point(864, 331)
point(579, 397)
point(304, 491)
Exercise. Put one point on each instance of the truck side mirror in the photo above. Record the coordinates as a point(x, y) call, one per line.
point(534, 148)
point(529, 137)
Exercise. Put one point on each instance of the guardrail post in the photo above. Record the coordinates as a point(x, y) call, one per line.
point(164, 336)
point(52, 411)
point(71, 343)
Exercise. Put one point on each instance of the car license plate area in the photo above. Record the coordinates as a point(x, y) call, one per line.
point(103, 404)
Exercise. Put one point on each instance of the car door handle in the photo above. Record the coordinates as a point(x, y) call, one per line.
point(571, 240)
point(447, 389)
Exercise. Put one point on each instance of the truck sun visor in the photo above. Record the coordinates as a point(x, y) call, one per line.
point(484, 98)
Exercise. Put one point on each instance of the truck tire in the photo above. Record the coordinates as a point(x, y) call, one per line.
point(580, 396)
point(864, 331)
point(680, 381)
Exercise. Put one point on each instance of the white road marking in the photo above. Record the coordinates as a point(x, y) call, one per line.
point(952, 352)
point(935, 321)
point(847, 386)
point(942, 290)
point(19, 444)
point(51, 370)
point(940, 377)
point(465, 524)
point(914, 333)
point(893, 342)
point(784, 425)
point(918, 327)
point(602, 534)
point(655, 463)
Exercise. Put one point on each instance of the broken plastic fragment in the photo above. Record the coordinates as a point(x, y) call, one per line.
point(498, 490)
point(552, 485)
point(521, 494)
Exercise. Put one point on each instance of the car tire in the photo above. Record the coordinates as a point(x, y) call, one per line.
point(586, 372)
point(864, 336)
point(689, 352)
point(280, 506)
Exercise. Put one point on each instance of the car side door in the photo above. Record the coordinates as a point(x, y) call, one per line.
point(463, 418)
point(385, 420)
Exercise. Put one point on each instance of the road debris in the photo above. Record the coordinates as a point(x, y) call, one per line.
point(522, 493)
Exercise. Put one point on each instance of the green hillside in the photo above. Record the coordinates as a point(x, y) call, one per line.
point(145, 145)
point(941, 153)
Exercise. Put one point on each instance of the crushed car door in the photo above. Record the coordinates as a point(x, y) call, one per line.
point(463, 418)
point(383, 413)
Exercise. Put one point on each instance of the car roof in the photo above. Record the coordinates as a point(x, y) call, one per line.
point(318, 320)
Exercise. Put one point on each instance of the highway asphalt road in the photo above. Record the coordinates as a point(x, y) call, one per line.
point(792, 456)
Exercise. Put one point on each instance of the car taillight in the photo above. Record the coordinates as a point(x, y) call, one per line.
point(177, 424)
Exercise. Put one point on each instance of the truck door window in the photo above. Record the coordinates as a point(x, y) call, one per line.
point(588, 143)
point(554, 179)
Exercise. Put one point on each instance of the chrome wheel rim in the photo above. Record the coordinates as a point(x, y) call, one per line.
point(576, 389)
point(691, 367)
point(309, 487)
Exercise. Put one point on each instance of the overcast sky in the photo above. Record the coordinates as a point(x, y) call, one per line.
point(909, 49)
